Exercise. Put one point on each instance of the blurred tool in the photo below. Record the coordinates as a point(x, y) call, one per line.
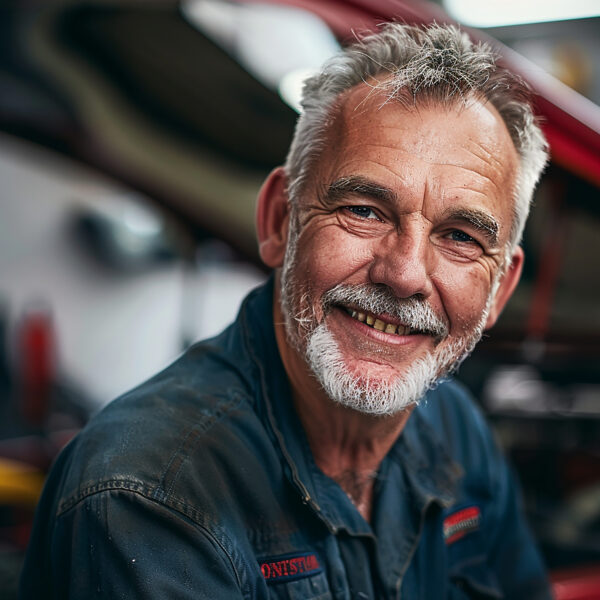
point(127, 236)
point(36, 365)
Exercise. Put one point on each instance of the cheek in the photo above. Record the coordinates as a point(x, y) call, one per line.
point(330, 256)
point(464, 297)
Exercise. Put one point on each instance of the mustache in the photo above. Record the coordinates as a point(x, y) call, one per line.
point(414, 312)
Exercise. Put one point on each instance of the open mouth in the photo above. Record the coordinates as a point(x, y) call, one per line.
point(377, 323)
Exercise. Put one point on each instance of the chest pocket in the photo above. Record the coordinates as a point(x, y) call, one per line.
point(314, 587)
point(468, 572)
point(473, 579)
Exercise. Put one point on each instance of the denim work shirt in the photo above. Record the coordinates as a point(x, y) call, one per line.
point(200, 484)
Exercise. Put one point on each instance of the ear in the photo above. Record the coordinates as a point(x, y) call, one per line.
point(272, 219)
point(507, 286)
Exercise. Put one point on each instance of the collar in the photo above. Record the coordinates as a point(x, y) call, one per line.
point(430, 473)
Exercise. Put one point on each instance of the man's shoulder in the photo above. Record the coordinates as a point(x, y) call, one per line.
point(148, 440)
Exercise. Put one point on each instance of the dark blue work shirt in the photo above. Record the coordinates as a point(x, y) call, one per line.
point(200, 484)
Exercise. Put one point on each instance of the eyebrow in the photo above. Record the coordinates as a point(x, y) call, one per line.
point(346, 186)
point(353, 184)
point(478, 219)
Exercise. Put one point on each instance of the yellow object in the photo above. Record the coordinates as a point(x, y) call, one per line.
point(20, 483)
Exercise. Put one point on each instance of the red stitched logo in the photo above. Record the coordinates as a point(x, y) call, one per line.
point(290, 567)
point(460, 523)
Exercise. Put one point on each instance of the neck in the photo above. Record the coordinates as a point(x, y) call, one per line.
point(347, 445)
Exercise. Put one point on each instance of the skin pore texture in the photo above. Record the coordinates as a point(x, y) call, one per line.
point(397, 266)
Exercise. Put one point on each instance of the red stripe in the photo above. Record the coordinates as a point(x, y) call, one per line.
point(465, 514)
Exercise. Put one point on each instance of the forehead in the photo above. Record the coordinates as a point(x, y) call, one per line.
point(461, 151)
point(366, 109)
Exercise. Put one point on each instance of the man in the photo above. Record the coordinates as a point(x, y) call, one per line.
point(304, 453)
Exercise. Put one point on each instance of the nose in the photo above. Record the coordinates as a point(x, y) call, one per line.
point(402, 261)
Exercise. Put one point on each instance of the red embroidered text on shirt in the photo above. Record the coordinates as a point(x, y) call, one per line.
point(287, 568)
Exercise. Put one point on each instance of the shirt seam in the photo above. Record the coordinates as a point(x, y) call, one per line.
point(191, 439)
point(271, 424)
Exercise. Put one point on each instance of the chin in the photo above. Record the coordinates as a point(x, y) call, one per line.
point(369, 395)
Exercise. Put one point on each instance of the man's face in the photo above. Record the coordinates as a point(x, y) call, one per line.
point(401, 239)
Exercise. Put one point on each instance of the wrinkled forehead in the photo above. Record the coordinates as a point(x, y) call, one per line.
point(377, 102)
point(370, 110)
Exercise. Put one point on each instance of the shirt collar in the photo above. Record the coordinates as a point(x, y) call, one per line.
point(420, 450)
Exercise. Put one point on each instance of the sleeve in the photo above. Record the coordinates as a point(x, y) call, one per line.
point(513, 555)
point(120, 544)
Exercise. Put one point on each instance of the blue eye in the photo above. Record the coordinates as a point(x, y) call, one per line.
point(364, 212)
point(460, 236)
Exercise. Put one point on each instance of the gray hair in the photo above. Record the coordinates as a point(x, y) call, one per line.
point(438, 65)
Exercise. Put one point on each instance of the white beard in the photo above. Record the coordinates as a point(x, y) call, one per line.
point(376, 397)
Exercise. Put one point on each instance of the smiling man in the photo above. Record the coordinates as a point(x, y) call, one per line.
point(314, 449)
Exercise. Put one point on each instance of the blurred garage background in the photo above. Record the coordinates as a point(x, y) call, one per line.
point(134, 136)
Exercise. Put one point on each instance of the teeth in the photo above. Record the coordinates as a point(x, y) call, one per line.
point(378, 323)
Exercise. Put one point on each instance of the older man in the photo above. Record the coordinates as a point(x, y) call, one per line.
point(304, 453)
